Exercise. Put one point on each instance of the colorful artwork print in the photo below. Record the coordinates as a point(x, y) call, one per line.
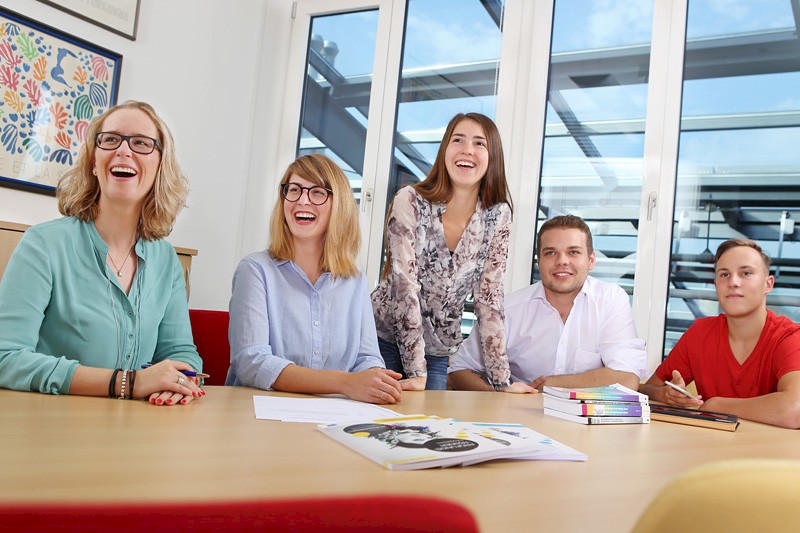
point(51, 86)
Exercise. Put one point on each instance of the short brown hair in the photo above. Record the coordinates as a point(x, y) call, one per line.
point(343, 237)
point(566, 222)
point(78, 190)
point(735, 243)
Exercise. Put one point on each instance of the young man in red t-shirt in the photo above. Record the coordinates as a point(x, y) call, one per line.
point(744, 362)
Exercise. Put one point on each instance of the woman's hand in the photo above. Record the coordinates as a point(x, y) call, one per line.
point(375, 385)
point(414, 383)
point(164, 384)
point(519, 387)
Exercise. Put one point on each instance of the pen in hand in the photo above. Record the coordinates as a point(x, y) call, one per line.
point(190, 373)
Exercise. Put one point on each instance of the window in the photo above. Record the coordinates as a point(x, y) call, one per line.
point(336, 94)
point(739, 162)
point(595, 126)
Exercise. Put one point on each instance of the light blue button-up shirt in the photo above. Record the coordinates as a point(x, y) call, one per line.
point(278, 317)
point(61, 306)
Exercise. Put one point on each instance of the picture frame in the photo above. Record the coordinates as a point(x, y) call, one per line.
point(118, 16)
point(52, 84)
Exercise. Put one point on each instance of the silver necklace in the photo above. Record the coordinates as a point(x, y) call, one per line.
point(119, 270)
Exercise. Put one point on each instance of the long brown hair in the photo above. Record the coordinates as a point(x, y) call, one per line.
point(437, 187)
point(343, 237)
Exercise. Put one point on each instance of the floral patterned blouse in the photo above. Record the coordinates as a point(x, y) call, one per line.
point(419, 305)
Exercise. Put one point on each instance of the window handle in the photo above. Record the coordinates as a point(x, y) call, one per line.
point(366, 198)
point(652, 202)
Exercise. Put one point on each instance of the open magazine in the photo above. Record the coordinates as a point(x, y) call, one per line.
point(421, 441)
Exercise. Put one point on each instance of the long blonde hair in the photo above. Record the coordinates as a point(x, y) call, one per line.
point(78, 190)
point(343, 237)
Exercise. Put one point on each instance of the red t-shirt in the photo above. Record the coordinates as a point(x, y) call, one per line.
point(703, 355)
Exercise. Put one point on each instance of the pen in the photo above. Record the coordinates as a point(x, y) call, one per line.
point(679, 389)
point(190, 373)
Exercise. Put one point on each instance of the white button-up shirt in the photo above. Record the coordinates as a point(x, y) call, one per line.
point(599, 332)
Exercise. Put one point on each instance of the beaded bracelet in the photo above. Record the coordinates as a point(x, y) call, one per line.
point(112, 385)
point(122, 387)
point(132, 379)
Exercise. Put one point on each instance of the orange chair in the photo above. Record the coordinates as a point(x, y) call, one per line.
point(325, 515)
point(210, 332)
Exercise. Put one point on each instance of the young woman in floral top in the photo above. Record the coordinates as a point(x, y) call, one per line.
point(447, 238)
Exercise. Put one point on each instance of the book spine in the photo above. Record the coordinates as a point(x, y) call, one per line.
point(613, 410)
point(596, 408)
point(605, 396)
point(618, 419)
point(642, 402)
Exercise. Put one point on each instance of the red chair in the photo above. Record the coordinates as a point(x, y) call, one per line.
point(326, 515)
point(210, 331)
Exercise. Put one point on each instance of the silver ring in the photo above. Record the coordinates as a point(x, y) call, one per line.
point(181, 381)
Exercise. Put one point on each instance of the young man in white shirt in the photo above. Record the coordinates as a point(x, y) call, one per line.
point(567, 330)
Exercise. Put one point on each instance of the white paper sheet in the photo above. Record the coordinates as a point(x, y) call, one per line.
point(317, 410)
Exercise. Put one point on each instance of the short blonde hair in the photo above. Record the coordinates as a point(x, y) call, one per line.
point(343, 238)
point(78, 190)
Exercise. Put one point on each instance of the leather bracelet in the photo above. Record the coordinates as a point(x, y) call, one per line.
point(131, 380)
point(112, 385)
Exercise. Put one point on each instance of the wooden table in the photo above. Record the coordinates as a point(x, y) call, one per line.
point(77, 449)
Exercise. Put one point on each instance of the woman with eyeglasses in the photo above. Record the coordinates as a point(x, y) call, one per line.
point(88, 299)
point(446, 239)
point(300, 314)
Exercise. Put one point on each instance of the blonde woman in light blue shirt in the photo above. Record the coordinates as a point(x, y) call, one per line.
point(300, 314)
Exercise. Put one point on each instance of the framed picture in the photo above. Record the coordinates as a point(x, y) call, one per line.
point(51, 86)
point(119, 16)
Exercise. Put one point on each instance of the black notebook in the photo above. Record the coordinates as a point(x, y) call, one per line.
point(694, 417)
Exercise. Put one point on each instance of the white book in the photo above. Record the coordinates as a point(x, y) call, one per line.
point(645, 419)
point(595, 407)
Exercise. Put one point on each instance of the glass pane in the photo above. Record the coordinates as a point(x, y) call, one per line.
point(450, 64)
point(594, 131)
point(739, 163)
point(336, 94)
point(451, 58)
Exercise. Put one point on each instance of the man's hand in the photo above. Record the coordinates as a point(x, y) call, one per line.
point(538, 383)
point(673, 397)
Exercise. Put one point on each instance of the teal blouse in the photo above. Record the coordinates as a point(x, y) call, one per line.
point(61, 306)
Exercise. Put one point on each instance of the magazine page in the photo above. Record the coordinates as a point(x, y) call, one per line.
point(532, 444)
point(409, 443)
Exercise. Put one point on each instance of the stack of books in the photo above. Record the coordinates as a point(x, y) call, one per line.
point(612, 404)
point(420, 441)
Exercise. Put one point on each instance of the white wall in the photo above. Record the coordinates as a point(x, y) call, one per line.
point(212, 70)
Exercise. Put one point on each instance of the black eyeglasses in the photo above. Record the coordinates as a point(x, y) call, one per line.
point(317, 195)
point(108, 140)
